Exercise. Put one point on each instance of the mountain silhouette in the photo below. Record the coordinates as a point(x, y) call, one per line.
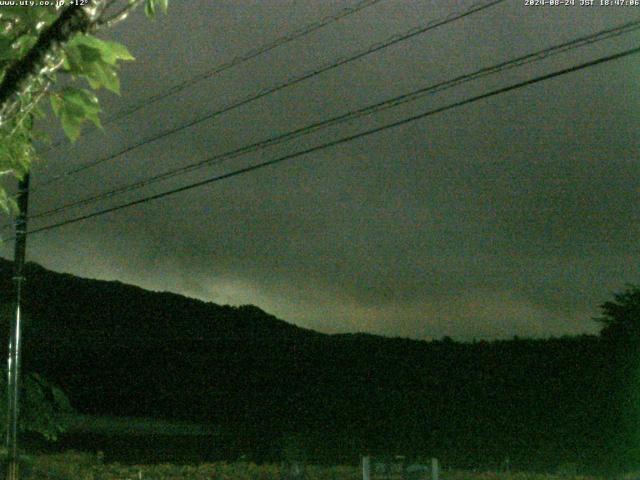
point(121, 350)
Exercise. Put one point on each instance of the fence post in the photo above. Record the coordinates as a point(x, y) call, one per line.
point(434, 469)
point(366, 467)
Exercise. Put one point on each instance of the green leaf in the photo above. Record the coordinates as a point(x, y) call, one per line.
point(100, 74)
point(89, 54)
point(108, 77)
point(96, 60)
point(109, 52)
point(56, 104)
point(73, 106)
point(117, 51)
point(152, 6)
point(81, 97)
point(85, 100)
point(98, 77)
point(71, 125)
point(73, 59)
point(7, 204)
point(164, 5)
point(16, 149)
point(95, 119)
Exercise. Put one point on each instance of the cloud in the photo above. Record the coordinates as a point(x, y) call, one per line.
point(514, 215)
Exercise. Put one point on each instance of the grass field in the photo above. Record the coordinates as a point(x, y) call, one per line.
point(86, 467)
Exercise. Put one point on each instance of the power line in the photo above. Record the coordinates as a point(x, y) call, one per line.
point(251, 54)
point(245, 57)
point(368, 110)
point(342, 140)
point(292, 81)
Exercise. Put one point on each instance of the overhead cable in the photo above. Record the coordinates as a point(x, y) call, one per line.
point(235, 61)
point(290, 82)
point(342, 140)
point(368, 110)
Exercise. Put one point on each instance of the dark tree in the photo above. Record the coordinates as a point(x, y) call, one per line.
point(620, 333)
point(621, 317)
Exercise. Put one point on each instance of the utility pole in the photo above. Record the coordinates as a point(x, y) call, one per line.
point(13, 360)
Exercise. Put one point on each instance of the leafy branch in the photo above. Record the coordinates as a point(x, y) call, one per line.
point(37, 43)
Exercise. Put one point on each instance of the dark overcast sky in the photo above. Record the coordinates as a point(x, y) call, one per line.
point(513, 215)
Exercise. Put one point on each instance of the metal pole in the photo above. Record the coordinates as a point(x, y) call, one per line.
point(366, 467)
point(13, 360)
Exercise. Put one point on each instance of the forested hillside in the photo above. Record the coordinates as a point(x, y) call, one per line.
point(120, 350)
